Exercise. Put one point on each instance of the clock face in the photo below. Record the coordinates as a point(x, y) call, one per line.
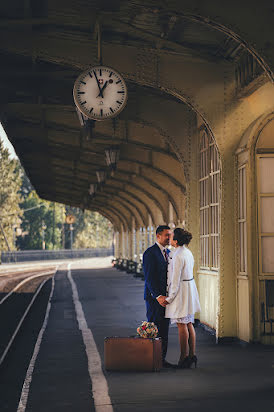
point(100, 93)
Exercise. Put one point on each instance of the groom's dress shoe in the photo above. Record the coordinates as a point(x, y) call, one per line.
point(168, 365)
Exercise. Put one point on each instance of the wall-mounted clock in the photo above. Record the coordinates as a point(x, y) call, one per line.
point(100, 93)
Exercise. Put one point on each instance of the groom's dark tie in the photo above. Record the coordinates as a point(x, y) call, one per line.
point(166, 255)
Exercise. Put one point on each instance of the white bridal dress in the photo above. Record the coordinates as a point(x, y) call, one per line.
point(182, 293)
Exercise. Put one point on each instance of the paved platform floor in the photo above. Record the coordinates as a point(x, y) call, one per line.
point(228, 377)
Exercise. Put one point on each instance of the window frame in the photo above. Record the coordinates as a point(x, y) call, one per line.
point(209, 202)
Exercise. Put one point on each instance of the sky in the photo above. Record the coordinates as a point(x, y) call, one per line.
point(7, 144)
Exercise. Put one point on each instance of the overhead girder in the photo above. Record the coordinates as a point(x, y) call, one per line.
point(147, 38)
point(31, 132)
point(76, 152)
point(149, 118)
point(46, 132)
point(229, 22)
point(145, 192)
point(161, 190)
point(142, 221)
point(65, 181)
point(125, 222)
point(63, 49)
point(139, 195)
point(110, 215)
point(55, 51)
point(133, 209)
point(79, 195)
point(141, 188)
point(72, 186)
point(121, 206)
point(132, 197)
point(115, 222)
point(65, 132)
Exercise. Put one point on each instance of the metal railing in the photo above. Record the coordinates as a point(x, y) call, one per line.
point(30, 255)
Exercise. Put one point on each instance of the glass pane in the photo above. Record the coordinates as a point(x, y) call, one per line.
point(206, 220)
point(240, 194)
point(266, 174)
point(206, 192)
point(267, 215)
point(267, 254)
point(207, 252)
point(244, 193)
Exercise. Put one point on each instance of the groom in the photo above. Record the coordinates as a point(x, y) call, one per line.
point(155, 262)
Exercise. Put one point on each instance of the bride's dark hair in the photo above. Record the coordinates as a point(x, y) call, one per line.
point(182, 236)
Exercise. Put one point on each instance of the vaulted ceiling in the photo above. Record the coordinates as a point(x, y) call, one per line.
point(44, 47)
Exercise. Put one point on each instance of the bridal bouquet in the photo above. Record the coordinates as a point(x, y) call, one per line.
point(147, 330)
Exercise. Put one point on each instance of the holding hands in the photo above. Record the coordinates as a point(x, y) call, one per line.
point(162, 301)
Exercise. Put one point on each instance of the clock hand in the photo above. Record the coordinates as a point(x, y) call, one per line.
point(98, 84)
point(105, 85)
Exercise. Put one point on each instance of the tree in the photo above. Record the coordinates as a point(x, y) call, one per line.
point(45, 221)
point(10, 212)
point(97, 231)
point(42, 221)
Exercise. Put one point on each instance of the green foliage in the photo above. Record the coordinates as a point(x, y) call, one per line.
point(10, 183)
point(42, 220)
point(97, 232)
point(89, 230)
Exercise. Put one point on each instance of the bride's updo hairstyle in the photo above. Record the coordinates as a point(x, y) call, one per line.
point(182, 236)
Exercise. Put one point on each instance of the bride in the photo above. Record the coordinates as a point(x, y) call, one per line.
point(182, 301)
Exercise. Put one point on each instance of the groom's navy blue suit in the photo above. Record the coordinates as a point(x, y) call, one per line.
point(155, 271)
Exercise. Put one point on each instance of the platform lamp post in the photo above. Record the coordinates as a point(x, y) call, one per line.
point(71, 228)
point(70, 219)
point(43, 235)
point(17, 231)
point(112, 157)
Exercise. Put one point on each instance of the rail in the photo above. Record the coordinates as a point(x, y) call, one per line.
point(14, 329)
point(30, 255)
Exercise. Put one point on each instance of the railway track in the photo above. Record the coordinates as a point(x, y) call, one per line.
point(19, 289)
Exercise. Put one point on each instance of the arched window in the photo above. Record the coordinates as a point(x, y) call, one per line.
point(265, 202)
point(209, 182)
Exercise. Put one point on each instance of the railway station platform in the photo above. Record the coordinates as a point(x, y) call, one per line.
point(56, 363)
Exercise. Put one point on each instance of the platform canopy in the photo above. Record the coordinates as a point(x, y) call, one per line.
point(46, 44)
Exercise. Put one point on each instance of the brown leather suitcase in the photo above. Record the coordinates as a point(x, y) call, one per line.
point(132, 354)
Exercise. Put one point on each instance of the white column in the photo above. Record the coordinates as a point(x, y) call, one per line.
point(116, 244)
point(138, 250)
